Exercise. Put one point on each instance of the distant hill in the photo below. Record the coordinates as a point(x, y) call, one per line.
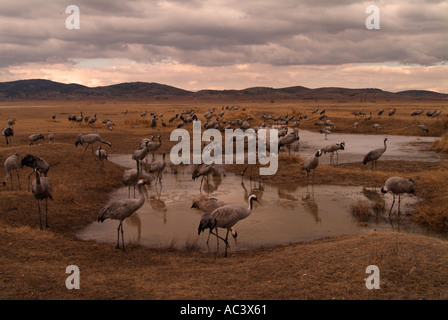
point(39, 89)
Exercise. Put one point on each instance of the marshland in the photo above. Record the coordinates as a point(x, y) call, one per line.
point(308, 239)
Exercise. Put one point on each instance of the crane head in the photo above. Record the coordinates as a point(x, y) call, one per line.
point(254, 198)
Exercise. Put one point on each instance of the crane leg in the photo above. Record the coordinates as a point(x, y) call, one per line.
point(84, 152)
point(46, 213)
point(218, 237)
point(209, 233)
point(390, 211)
point(227, 243)
point(29, 179)
point(12, 183)
point(18, 179)
point(244, 171)
point(118, 237)
point(122, 238)
point(40, 217)
point(200, 186)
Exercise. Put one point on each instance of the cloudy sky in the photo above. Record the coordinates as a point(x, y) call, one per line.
point(228, 44)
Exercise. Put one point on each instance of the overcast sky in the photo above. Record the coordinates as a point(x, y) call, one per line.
point(231, 44)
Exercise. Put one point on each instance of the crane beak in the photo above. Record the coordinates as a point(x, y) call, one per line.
point(259, 202)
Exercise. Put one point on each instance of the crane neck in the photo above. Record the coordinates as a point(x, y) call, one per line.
point(37, 177)
point(251, 201)
point(141, 198)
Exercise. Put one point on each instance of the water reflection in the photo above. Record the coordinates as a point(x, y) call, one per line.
point(310, 206)
point(135, 222)
point(290, 212)
point(256, 188)
point(158, 205)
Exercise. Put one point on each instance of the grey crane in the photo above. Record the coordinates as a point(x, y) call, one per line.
point(422, 127)
point(144, 142)
point(203, 170)
point(282, 132)
point(374, 155)
point(79, 118)
point(8, 133)
point(41, 189)
point(288, 140)
point(180, 124)
point(12, 163)
point(102, 155)
point(332, 148)
point(325, 130)
point(153, 146)
point(437, 113)
point(158, 166)
point(392, 112)
point(92, 120)
point(11, 123)
point(140, 154)
point(417, 112)
point(153, 123)
point(430, 113)
point(110, 125)
point(226, 217)
point(36, 163)
point(50, 138)
point(207, 205)
point(122, 209)
point(131, 178)
point(311, 163)
point(355, 126)
point(398, 186)
point(34, 138)
point(381, 112)
point(376, 126)
point(90, 139)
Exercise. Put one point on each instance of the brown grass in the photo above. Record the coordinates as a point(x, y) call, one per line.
point(368, 211)
point(33, 262)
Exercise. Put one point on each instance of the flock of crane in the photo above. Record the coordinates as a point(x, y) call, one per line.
point(433, 113)
point(217, 214)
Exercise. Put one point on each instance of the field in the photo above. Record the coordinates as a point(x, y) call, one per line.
point(33, 261)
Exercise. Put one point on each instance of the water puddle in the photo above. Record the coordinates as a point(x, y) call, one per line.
point(405, 148)
point(289, 213)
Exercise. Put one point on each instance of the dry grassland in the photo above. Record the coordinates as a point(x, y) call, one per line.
point(33, 262)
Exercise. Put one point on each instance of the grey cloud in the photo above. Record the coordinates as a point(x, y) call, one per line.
point(225, 33)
